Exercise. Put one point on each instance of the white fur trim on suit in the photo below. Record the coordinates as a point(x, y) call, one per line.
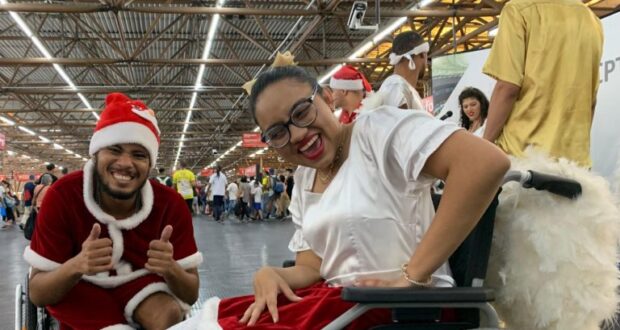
point(123, 268)
point(148, 290)
point(553, 261)
point(104, 218)
point(107, 281)
point(119, 327)
point(208, 319)
point(115, 228)
point(118, 243)
point(191, 261)
point(38, 261)
point(125, 132)
point(347, 85)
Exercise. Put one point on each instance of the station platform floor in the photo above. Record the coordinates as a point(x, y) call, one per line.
point(232, 252)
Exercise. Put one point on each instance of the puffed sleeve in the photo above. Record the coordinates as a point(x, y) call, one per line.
point(298, 242)
point(414, 139)
point(51, 242)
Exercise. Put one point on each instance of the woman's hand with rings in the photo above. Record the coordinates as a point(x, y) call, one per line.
point(267, 285)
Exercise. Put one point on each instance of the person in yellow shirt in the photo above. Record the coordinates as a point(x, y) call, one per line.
point(545, 59)
point(184, 182)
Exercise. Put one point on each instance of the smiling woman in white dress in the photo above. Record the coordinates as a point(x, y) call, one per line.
point(361, 203)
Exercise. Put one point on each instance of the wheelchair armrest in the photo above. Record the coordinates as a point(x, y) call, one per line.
point(417, 295)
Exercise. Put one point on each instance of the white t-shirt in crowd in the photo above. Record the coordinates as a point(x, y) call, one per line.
point(368, 227)
point(218, 184)
point(257, 191)
point(396, 91)
point(233, 190)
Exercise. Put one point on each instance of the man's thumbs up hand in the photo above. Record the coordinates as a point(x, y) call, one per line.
point(160, 254)
point(166, 233)
point(94, 232)
point(96, 253)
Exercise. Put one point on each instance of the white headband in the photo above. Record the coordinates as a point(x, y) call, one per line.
point(423, 48)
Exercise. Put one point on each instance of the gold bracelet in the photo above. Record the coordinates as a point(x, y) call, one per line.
point(415, 283)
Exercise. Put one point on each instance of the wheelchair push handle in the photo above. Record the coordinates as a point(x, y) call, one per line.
point(565, 187)
point(554, 184)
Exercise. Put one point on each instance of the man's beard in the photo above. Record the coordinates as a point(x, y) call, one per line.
point(115, 194)
point(422, 73)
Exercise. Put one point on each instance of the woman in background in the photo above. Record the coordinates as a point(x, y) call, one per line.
point(474, 109)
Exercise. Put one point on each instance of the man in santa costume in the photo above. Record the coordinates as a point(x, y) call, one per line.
point(349, 88)
point(111, 249)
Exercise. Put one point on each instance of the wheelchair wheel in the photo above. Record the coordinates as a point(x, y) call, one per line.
point(30, 310)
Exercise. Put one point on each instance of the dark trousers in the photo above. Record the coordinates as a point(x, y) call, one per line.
point(190, 205)
point(218, 206)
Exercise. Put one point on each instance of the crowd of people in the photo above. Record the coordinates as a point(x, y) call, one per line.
point(17, 199)
point(244, 198)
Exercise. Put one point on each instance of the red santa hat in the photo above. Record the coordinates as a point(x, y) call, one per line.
point(348, 78)
point(124, 120)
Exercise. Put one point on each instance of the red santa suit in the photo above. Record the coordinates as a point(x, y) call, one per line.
point(347, 118)
point(69, 211)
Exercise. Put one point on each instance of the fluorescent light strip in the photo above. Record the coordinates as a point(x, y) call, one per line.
point(425, 3)
point(61, 72)
point(20, 22)
point(213, 25)
point(7, 121)
point(27, 130)
point(41, 48)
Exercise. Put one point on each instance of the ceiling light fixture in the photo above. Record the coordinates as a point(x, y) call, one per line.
point(7, 121)
point(43, 50)
point(215, 21)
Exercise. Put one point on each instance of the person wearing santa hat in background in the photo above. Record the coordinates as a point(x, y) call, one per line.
point(409, 56)
point(112, 249)
point(349, 88)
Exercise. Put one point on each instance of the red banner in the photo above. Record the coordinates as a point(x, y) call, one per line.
point(248, 171)
point(21, 177)
point(207, 172)
point(252, 140)
point(2, 141)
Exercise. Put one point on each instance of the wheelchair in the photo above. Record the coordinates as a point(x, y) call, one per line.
point(421, 308)
point(27, 315)
point(412, 308)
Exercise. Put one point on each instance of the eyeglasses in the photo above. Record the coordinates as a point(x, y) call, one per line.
point(302, 114)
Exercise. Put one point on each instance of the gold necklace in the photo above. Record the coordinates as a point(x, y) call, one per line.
point(325, 178)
